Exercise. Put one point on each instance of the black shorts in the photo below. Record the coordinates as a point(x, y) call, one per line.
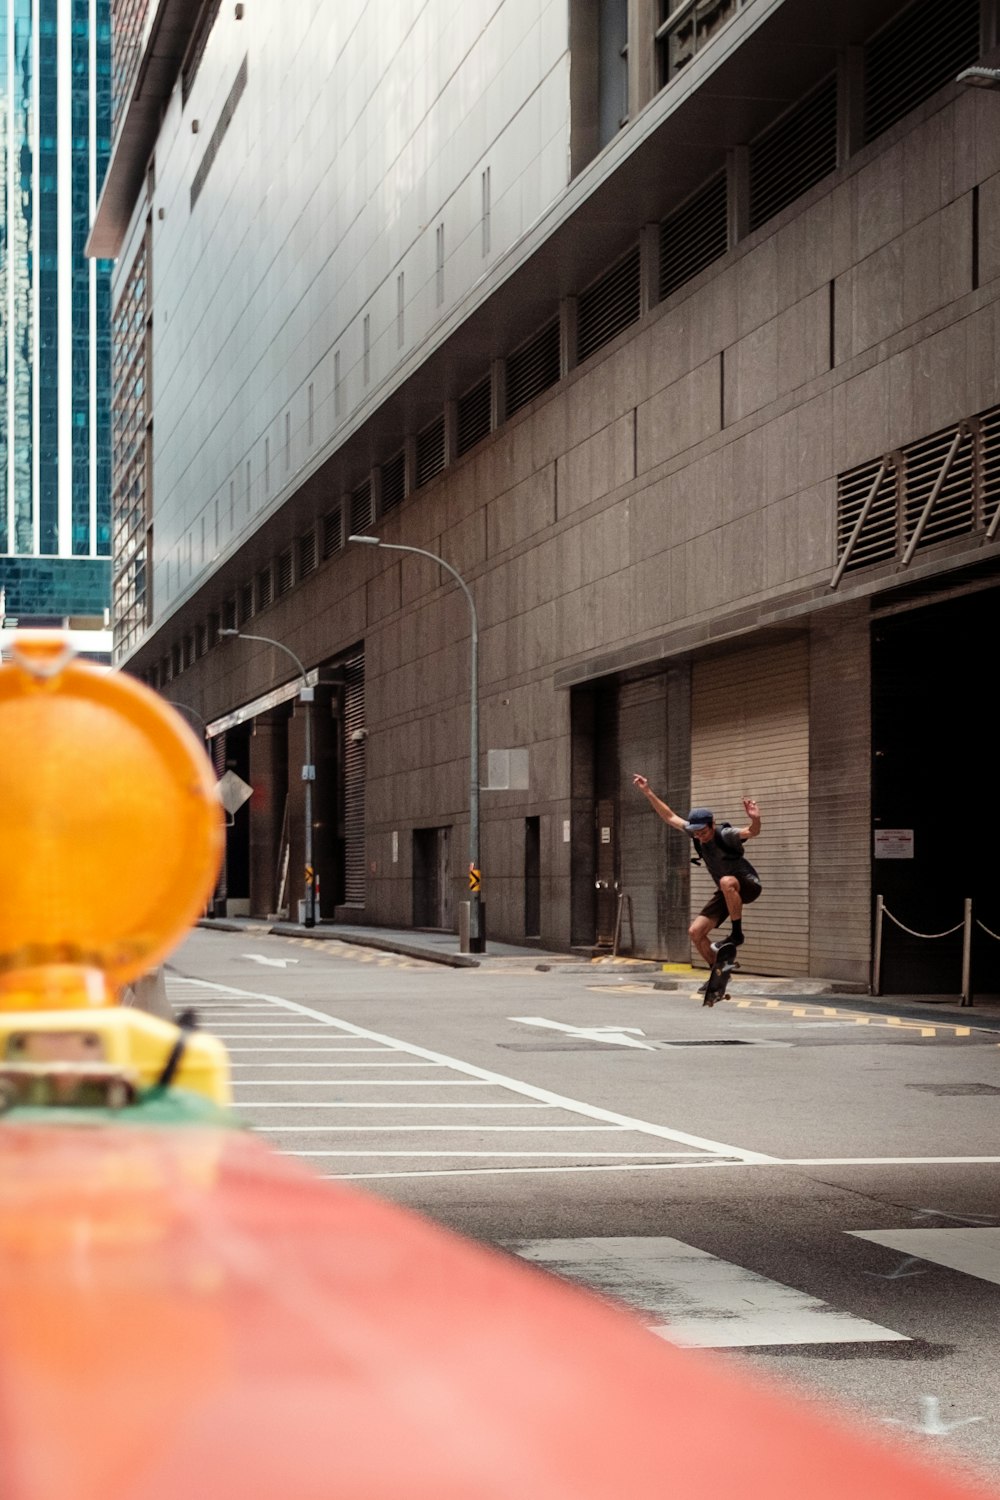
point(718, 910)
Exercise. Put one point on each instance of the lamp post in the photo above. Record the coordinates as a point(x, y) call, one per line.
point(476, 942)
point(306, 694)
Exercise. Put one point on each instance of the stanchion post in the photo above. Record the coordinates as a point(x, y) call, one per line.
point(967, 953)
point(877, 961)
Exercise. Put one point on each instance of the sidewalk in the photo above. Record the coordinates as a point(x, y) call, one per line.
point(682, 979)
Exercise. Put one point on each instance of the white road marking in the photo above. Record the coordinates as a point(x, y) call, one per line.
point(270, 963)
point(454, 1129)
point(337, 1065)
point(379, 1104)
point(574, 1155)
point(931, 1424)
point(697, 1300)
point(975, 1251)
point(485, 1075)
point(364, 1083)
point(618, 1036)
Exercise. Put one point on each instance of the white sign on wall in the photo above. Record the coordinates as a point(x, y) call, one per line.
point(894, 843)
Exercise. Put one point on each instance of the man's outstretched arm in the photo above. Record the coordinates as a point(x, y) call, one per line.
point(666, 813)
point(753, 813)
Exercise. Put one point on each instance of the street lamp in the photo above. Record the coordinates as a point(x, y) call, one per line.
point(476, 939)
point(980, 78)
point(306, 694)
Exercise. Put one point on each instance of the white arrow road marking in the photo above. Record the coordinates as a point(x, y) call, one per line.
point(270, 963)
point(932, 1425)
point(618, 1036)
point(695, 1299)
point(976, 1251)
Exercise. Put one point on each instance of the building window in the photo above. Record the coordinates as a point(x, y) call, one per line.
point(685, 28)
point(267, 466)
point(232, 505)
point(612, 64)
point(336, 383)
point(288, 441)
point(311, 426)
point(400, 310)
point(249, 490)
point(366, 334)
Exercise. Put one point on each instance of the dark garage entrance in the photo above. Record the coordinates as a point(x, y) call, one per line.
point(933, 671)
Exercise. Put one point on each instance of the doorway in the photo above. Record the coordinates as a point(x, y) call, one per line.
point(432, 893)
point(532, 878)
point(931, 791)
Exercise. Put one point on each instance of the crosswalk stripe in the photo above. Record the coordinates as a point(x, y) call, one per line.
point(697, 1300)
point(973, 1250)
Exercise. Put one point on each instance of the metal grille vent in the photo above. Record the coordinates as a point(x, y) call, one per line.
point(212, 149)
point(307, 554)
point(938, 481)
point(265, 588)
point(794, 153)
point(475, 415)
point(354, 781)
point(283, 578)
point(876, 539)
point(394, 483)
point(942, 487)
point(246, 603)
point(361, 508)
point(430, 451)
point(609, 306)
point(229, 615)
point(694, 236)
point(333, 532)
point(989, 465)
point(533, 368)
point(917, 53)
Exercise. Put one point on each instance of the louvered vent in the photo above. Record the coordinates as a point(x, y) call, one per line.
point(229, 621)
point(333, 532)
point(246, 603)
point(394, 483)
point(914, 56)
point(989, 464)
point(283, 573)
point(474, 415)
point(944, 486)
point(932, 466)
point(212, 630)
point(265, 588)
point(533, 368)
point(354, 781)
point(876, 541)
point(200, 641)
point(361, 509)
point(607, 307)
point(307, 553)
point(694, 236)
point(430, 451)
point(794, 153)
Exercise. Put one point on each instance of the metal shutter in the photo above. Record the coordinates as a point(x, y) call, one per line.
point(750, 737)
point(354, 781)
point(915, 55)
point(694, 236)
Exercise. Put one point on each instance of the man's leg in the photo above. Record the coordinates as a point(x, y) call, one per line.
point(729, 885)
point(698, 933)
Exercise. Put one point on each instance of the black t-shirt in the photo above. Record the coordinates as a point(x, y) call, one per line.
point(723, 854)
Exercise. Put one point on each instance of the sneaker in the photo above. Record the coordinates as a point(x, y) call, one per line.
point(737, 942)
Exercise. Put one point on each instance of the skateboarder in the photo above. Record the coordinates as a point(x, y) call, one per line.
point(721, 849)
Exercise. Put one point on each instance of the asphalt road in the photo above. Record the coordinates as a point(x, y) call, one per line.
point(810, 1192)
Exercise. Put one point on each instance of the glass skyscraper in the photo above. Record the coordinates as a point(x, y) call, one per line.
point(55, 334)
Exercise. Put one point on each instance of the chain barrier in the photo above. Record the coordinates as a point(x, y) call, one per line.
point(965, 927)
point(983, 927)
point(902, 925)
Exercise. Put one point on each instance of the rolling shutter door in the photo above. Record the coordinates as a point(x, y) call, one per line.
point(354, 782)
point(750, 738)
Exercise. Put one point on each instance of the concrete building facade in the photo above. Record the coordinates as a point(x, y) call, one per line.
point(673, 327)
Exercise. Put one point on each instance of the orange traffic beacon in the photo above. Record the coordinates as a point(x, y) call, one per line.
point(112, 837)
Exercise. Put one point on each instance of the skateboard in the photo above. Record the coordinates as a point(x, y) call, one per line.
point(716, 986)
